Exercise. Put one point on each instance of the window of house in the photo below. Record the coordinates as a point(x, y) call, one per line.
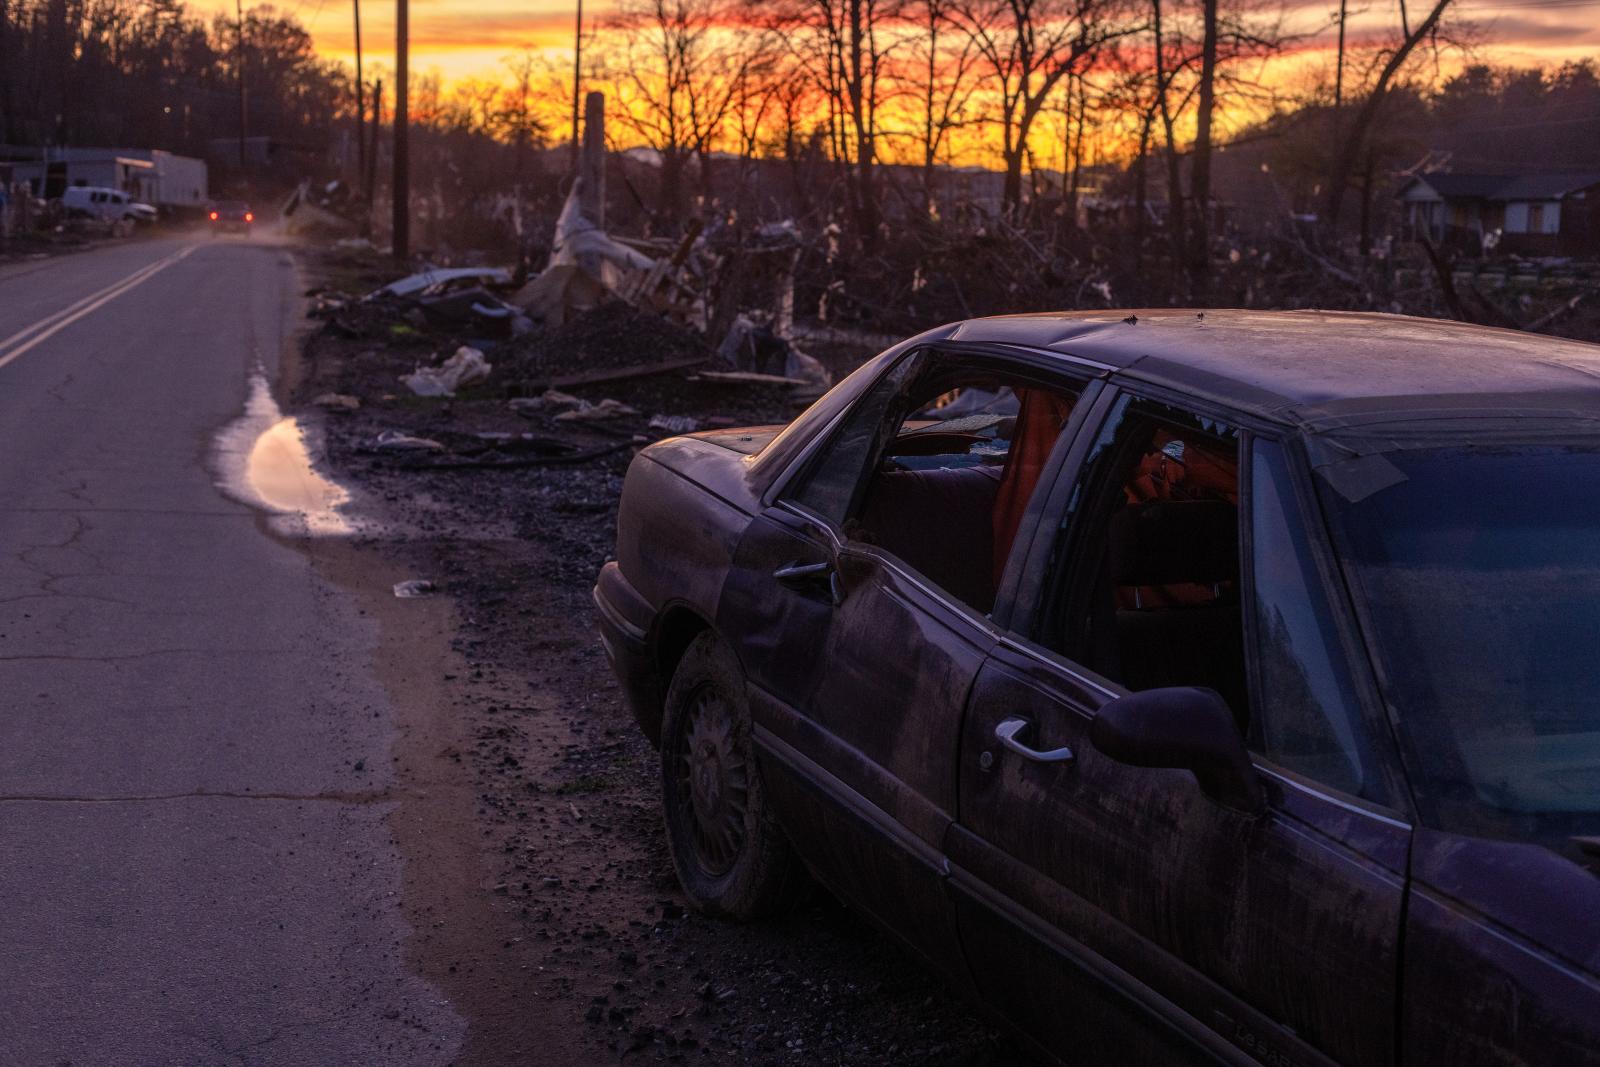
point(936, 466)
point(1144, 587)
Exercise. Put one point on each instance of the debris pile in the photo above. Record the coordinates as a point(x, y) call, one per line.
point(614, 344)
point(463, 368)
point(332, 209)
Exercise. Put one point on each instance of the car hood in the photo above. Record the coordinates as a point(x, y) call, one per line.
point(746, 441)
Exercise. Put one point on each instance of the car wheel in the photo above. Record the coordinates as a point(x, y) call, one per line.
point(730, 855)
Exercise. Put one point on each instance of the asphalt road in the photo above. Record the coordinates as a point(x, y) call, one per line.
point(195, 865)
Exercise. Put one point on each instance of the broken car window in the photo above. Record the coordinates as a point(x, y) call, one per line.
point(828, 486)
point(940, 474)
point(1144, 588)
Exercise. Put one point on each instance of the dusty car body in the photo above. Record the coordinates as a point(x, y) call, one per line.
point(1230, 702)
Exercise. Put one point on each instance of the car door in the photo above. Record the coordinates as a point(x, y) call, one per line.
point(1119, 913)
point(859, 662)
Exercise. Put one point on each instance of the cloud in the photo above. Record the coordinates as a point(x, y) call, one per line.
point(1512, 30)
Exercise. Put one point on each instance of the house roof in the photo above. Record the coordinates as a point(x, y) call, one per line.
point(1334, 373)
point(1546, 186)
point(1463, 186)
point(1505, 186)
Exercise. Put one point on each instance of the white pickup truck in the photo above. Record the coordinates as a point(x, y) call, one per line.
point(112, 205)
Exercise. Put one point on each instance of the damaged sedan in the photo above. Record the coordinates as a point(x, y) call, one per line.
point(1181, 687)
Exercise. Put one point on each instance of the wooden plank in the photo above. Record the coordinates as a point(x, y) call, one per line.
point(617, 374)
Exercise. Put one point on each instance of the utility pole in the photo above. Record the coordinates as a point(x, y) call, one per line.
point(371, 176)
point(361, 110)
point(402, 119)
point(238, 7)
point(577, 82)
point(1338, 75)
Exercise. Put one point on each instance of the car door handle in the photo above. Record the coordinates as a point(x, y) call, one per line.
point(798, 573)
point(1006, 733)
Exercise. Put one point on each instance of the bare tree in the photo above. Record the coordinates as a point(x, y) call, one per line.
point(1199, 259)
point(1353, 143)
point(844, 47)
point(678, 67)
point(1027, 47)
point(1202, 53)
point(937, 70)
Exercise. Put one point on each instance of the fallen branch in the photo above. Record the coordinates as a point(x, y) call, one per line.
point(617, 374)
point(1447, 282)
point(1565, 309)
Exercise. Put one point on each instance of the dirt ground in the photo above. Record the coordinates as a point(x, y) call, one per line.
point(538, 885)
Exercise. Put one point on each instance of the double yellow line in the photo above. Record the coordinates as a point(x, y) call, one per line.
point(25, 340)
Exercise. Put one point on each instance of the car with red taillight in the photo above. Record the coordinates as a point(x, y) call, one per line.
point(231, 216)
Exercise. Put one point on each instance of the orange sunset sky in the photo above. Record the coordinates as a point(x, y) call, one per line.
point(469, 38)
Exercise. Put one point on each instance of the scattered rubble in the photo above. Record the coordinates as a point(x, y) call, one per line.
point(337, 402)
point(674, 424)
point(328, 210)
point(395, 441)
point(466, 366)
point(442, 280)
point(414, 587)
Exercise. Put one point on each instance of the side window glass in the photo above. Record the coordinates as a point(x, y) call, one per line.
point(940, 474)
point(828, 485)
point(1144, 587)
point(1308, 718)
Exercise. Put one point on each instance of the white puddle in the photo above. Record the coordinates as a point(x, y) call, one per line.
point(263, 460)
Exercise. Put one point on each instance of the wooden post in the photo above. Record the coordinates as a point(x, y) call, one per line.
point(238, 7)
point(592, 164)
point(371, 176)
point(577, 81)
point(402, 120)
point(361, 110)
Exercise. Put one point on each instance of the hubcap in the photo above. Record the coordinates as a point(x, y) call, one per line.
point(712, 781)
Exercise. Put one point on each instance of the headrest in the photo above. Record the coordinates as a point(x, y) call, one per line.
point(1170, 541)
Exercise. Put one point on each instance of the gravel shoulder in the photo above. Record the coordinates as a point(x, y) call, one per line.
point(537, 881)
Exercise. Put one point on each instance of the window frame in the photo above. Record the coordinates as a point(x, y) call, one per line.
point(1050, 370)
point(1024, 626)
point(1118, 388)
point(1374, 720)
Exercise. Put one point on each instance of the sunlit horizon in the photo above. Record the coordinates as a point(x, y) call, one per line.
point(459, 42)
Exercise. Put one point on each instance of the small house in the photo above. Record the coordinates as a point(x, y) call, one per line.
point(1526, 214)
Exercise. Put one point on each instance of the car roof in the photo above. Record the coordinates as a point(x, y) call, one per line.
point(1323, 371)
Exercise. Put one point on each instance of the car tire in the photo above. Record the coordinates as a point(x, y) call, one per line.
point(730, 855)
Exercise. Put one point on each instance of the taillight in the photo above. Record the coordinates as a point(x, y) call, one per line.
point(213, 216)
point(249, 216)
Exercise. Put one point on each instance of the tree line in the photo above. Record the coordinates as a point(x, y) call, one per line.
point(1045, 90)
point(150, 73)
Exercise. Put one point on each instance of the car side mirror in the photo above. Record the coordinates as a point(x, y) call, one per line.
point(1184, 728)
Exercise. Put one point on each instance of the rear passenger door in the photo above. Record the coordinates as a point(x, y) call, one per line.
point(1117, 911)
point(859, 605)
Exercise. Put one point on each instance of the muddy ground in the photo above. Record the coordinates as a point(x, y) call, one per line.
point(538, 885)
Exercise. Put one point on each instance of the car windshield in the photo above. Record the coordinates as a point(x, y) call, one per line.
point(233, 207)
point(1481, 574)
